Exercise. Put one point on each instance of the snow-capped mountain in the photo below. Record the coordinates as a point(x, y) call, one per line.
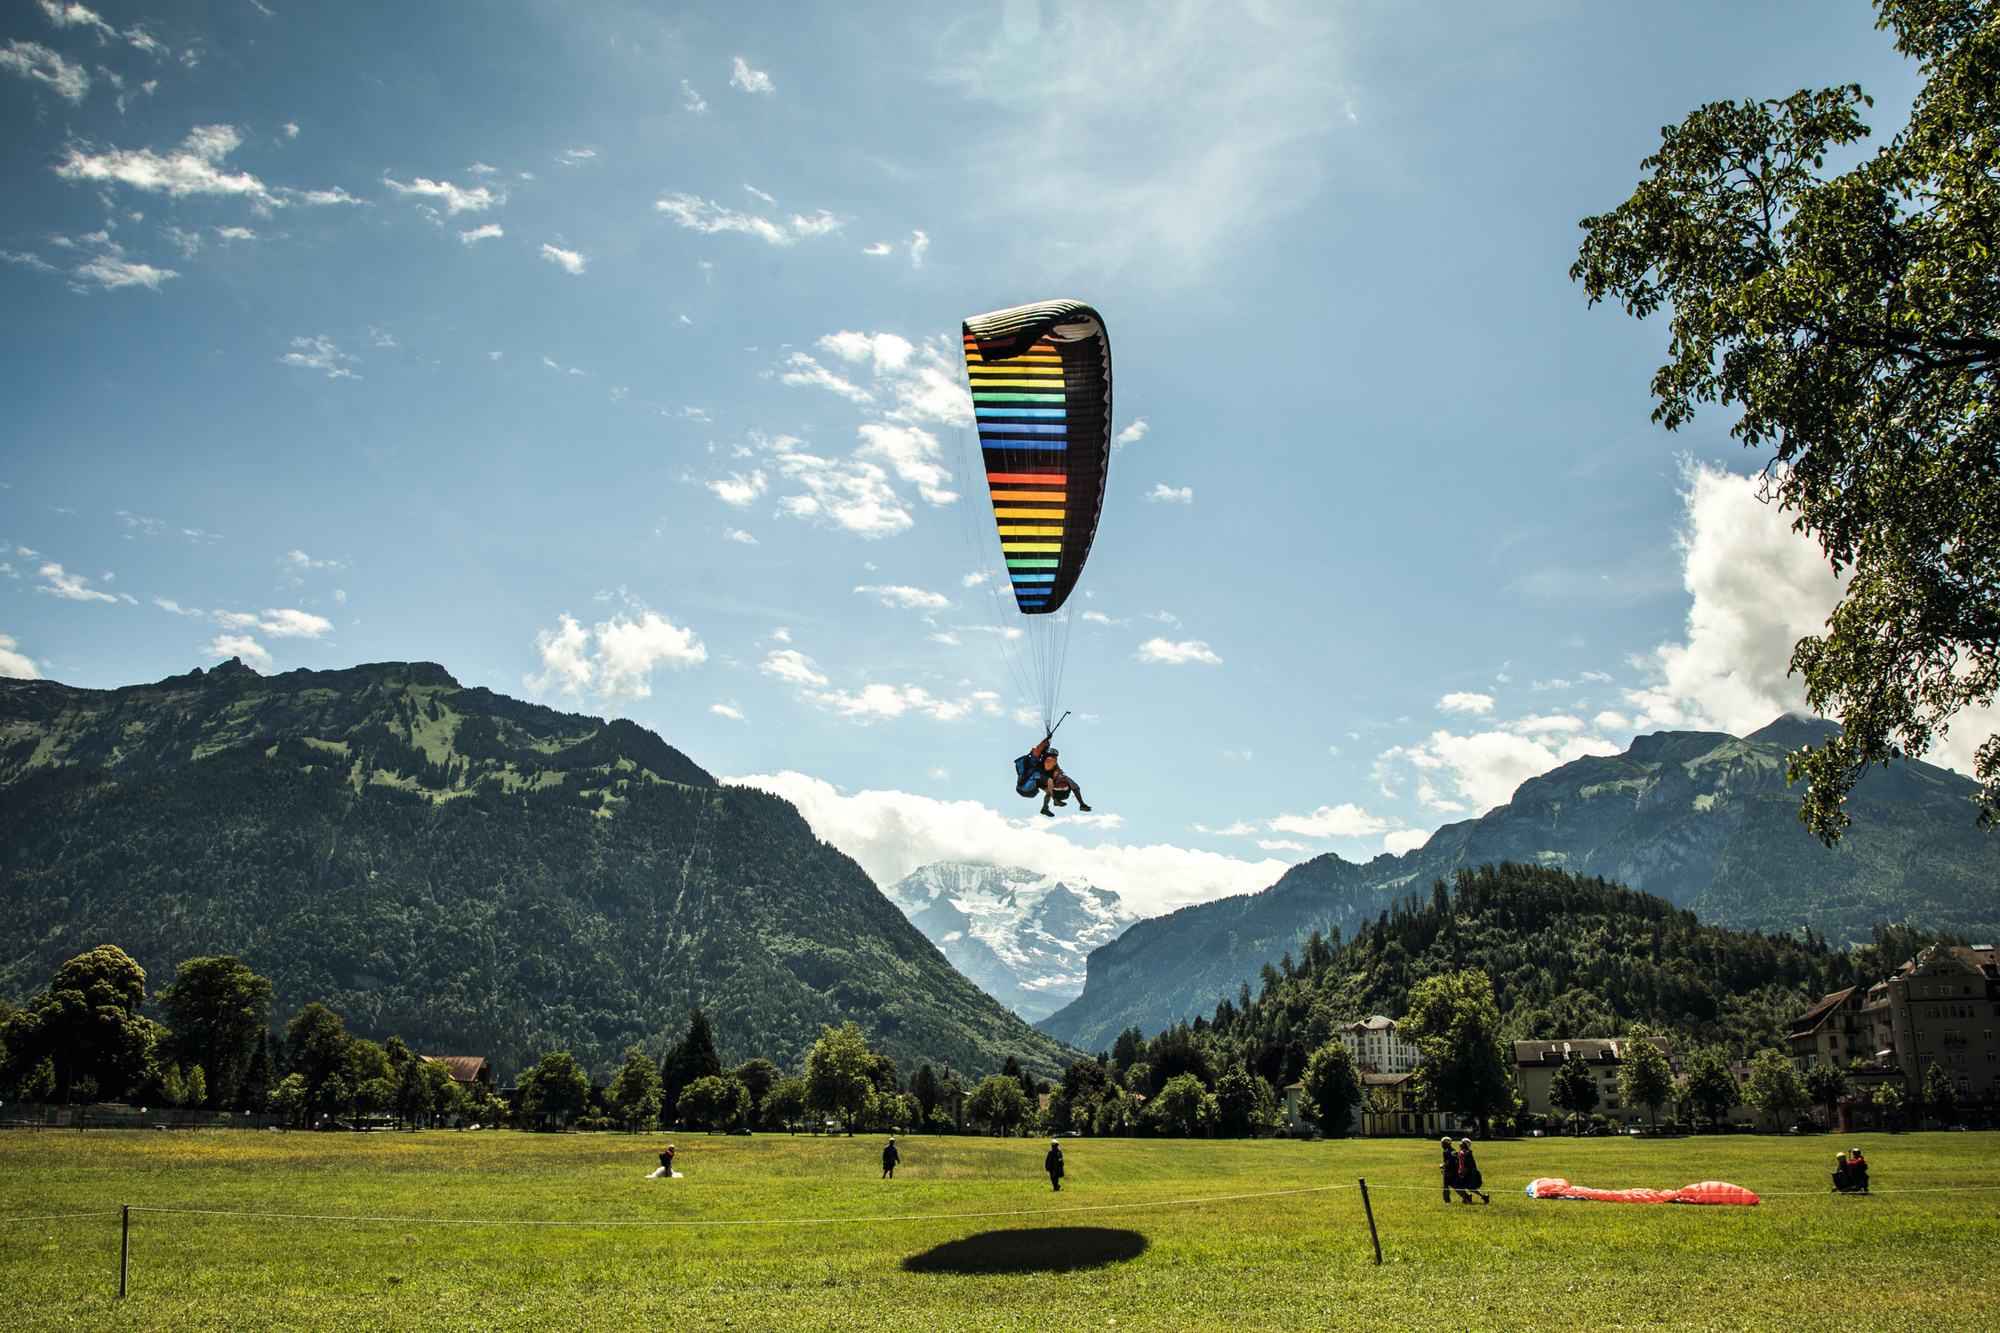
point(1022, 937)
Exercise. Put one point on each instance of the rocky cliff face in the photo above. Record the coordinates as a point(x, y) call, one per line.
point(1022, 937)
point(1702, 819)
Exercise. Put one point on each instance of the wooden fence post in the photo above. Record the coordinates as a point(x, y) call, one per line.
point(1369, 1208)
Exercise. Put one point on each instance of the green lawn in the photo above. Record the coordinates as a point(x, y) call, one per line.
point(1923, 1260)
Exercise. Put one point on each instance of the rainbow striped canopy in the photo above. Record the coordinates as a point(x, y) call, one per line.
point(1041, 390)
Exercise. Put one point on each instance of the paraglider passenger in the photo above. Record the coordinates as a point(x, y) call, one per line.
point(1050, 780)
point(1449, 1168)
point(1468, 1174)
point(1857, 1172)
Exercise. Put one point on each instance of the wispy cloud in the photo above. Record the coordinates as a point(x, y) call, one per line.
point(1176, 653)
point(38, 64)
point(570, 260)
point(491, 231)
point(730, 711)
point(692, 100)
point(1165, 494)
point(709, 218)
point(196, 169)
point(738, 489)
point(277, 622)
point(319, 354)
point(111, 270)
point(455, 200)
point(71, 587)
point(789, 664)
point(903, 597)
point(749, 80)
point(240, 645)
point(575, 157)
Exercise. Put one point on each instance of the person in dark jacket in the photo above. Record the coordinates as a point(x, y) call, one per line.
point(1857, 1172)
point(1449, 1169)
point(1468, 1174)
point(889, 1159)
point(1053, 1164)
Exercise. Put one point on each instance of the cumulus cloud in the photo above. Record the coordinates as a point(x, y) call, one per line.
point(14, 662)
point(890, 701)
point(455, 200)
point(616, 659)
point(1132, 434)
point(846, 494)
point(571, 261)
point(906, 598)
point(1483, 769)
point(739, 490)
point(1757, 588)
point(1165, 494)
point(730, 711)
point(749, 80)
point(1462, 702)
point(278, 623)
point(240, 645)
point(709, 218)
point(789, 664)
point(1404, 840)
point(70, 587)
point(111, 270)
point(38, 64)
point(319, 354)
point(196, 169)
point(1335, 821)
point(912, 453)
point(1176, 654)
point(738, 535)
point(911, 382)
point(490, 231)
point(891, 833)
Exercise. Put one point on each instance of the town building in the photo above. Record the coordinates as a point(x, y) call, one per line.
point(474, 1073)
point(1389, 1109)
point(1940, 1010)
point(1536, 1063)
point(1376, 1048)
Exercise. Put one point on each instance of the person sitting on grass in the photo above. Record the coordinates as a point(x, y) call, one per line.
point(1857, 1173)
point(666, 1171)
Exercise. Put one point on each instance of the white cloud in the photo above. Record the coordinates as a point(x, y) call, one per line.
point(1485, 767)
point(236, 233)
point(1167, 135)
point(919, 243)
point(27, 259)
point(476, 200)
point(879, 248)
point(621, 665)
point(792, 665)
point(300, 560)
point(708, 217)
point(575, 157)
point(738, 535)
point(76, 16)
point(1462, 702)
point(551, 363)
point(806, 372)
point(319, 354)
point(571, 261)
point(1187, 650)
point(278, 623)
point(334, 196)
point(240, 645)
point(907, 598)
point(1163, 493)
point(769, 199)
point(1132, 434)
point(35, 62)
point(169, 604)
point(1337, 821)
point(14, 662)
point(629, 651)
point(291, 130)
point(690, 99)
point(739, 490)
point(888, 701)
point(892, 833)
point(488, 232)
point(1404, 840)
point(749, 80)
point(1282, 845)
point(852, 495)
point(111, 271)
point(912, 452)
point(730, 711)
point(70, 587)
point(196, 169)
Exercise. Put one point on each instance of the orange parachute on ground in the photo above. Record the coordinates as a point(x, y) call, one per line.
point(1707, 1191)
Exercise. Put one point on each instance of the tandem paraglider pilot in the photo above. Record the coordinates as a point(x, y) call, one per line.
point(1038, 773)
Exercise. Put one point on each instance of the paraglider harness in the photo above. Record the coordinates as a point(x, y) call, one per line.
point(1028, 772)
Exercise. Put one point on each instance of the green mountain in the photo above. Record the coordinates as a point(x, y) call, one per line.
point(476, 874)
point(1702, 820)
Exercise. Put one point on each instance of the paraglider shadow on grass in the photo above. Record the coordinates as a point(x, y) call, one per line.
point(1030, 1250)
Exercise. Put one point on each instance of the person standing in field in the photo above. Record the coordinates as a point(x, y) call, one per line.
point(1053, 1164)
point(1469, 1177)
point(1448, 1168)
point(889, 1159)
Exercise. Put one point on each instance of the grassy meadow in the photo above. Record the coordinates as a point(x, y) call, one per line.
point(1803, 1260)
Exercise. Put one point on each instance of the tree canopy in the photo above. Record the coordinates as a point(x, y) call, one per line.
point(1854, 321)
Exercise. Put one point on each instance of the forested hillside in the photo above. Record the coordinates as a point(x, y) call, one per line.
point(1701, 819)
point(1569, 956)
point(476, 874)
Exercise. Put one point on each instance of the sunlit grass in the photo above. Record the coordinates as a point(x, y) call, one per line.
point(1803, 1260)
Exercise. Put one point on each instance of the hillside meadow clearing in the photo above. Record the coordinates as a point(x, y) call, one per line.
point(1803, 1260)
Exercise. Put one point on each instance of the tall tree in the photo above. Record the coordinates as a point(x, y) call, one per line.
point(88, 1027)
point(1332, 1087)
point(692, 1057)
point(1775, 1088)
point(758, 1077)
point(1939, 1095)
point(997, 1102)
point(785, 1106)
point(1235, 1103)
point(1854, 322)
point(215, 1009)
point(1825, 1086)
point(1455, 1021)
point(1574, 1087)
point(1645, 1077)
point(838, 1073)
point(716, 1101)
point(1709, 1086)
point(924, 1087)
point(555, 1087)
point(635, 1094)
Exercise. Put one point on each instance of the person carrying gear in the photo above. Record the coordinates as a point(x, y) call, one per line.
point(1037, 773)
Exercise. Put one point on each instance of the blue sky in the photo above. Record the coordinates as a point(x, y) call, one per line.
point(605, 354)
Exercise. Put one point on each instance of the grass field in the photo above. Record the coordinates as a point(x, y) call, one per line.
point(1921, 1260)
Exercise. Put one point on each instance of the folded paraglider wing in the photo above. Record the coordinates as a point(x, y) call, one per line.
point(1715, 1191)
point(1041, 391)
point(1707, 1191)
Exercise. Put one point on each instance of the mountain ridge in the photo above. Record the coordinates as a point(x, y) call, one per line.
point(1701, 819)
